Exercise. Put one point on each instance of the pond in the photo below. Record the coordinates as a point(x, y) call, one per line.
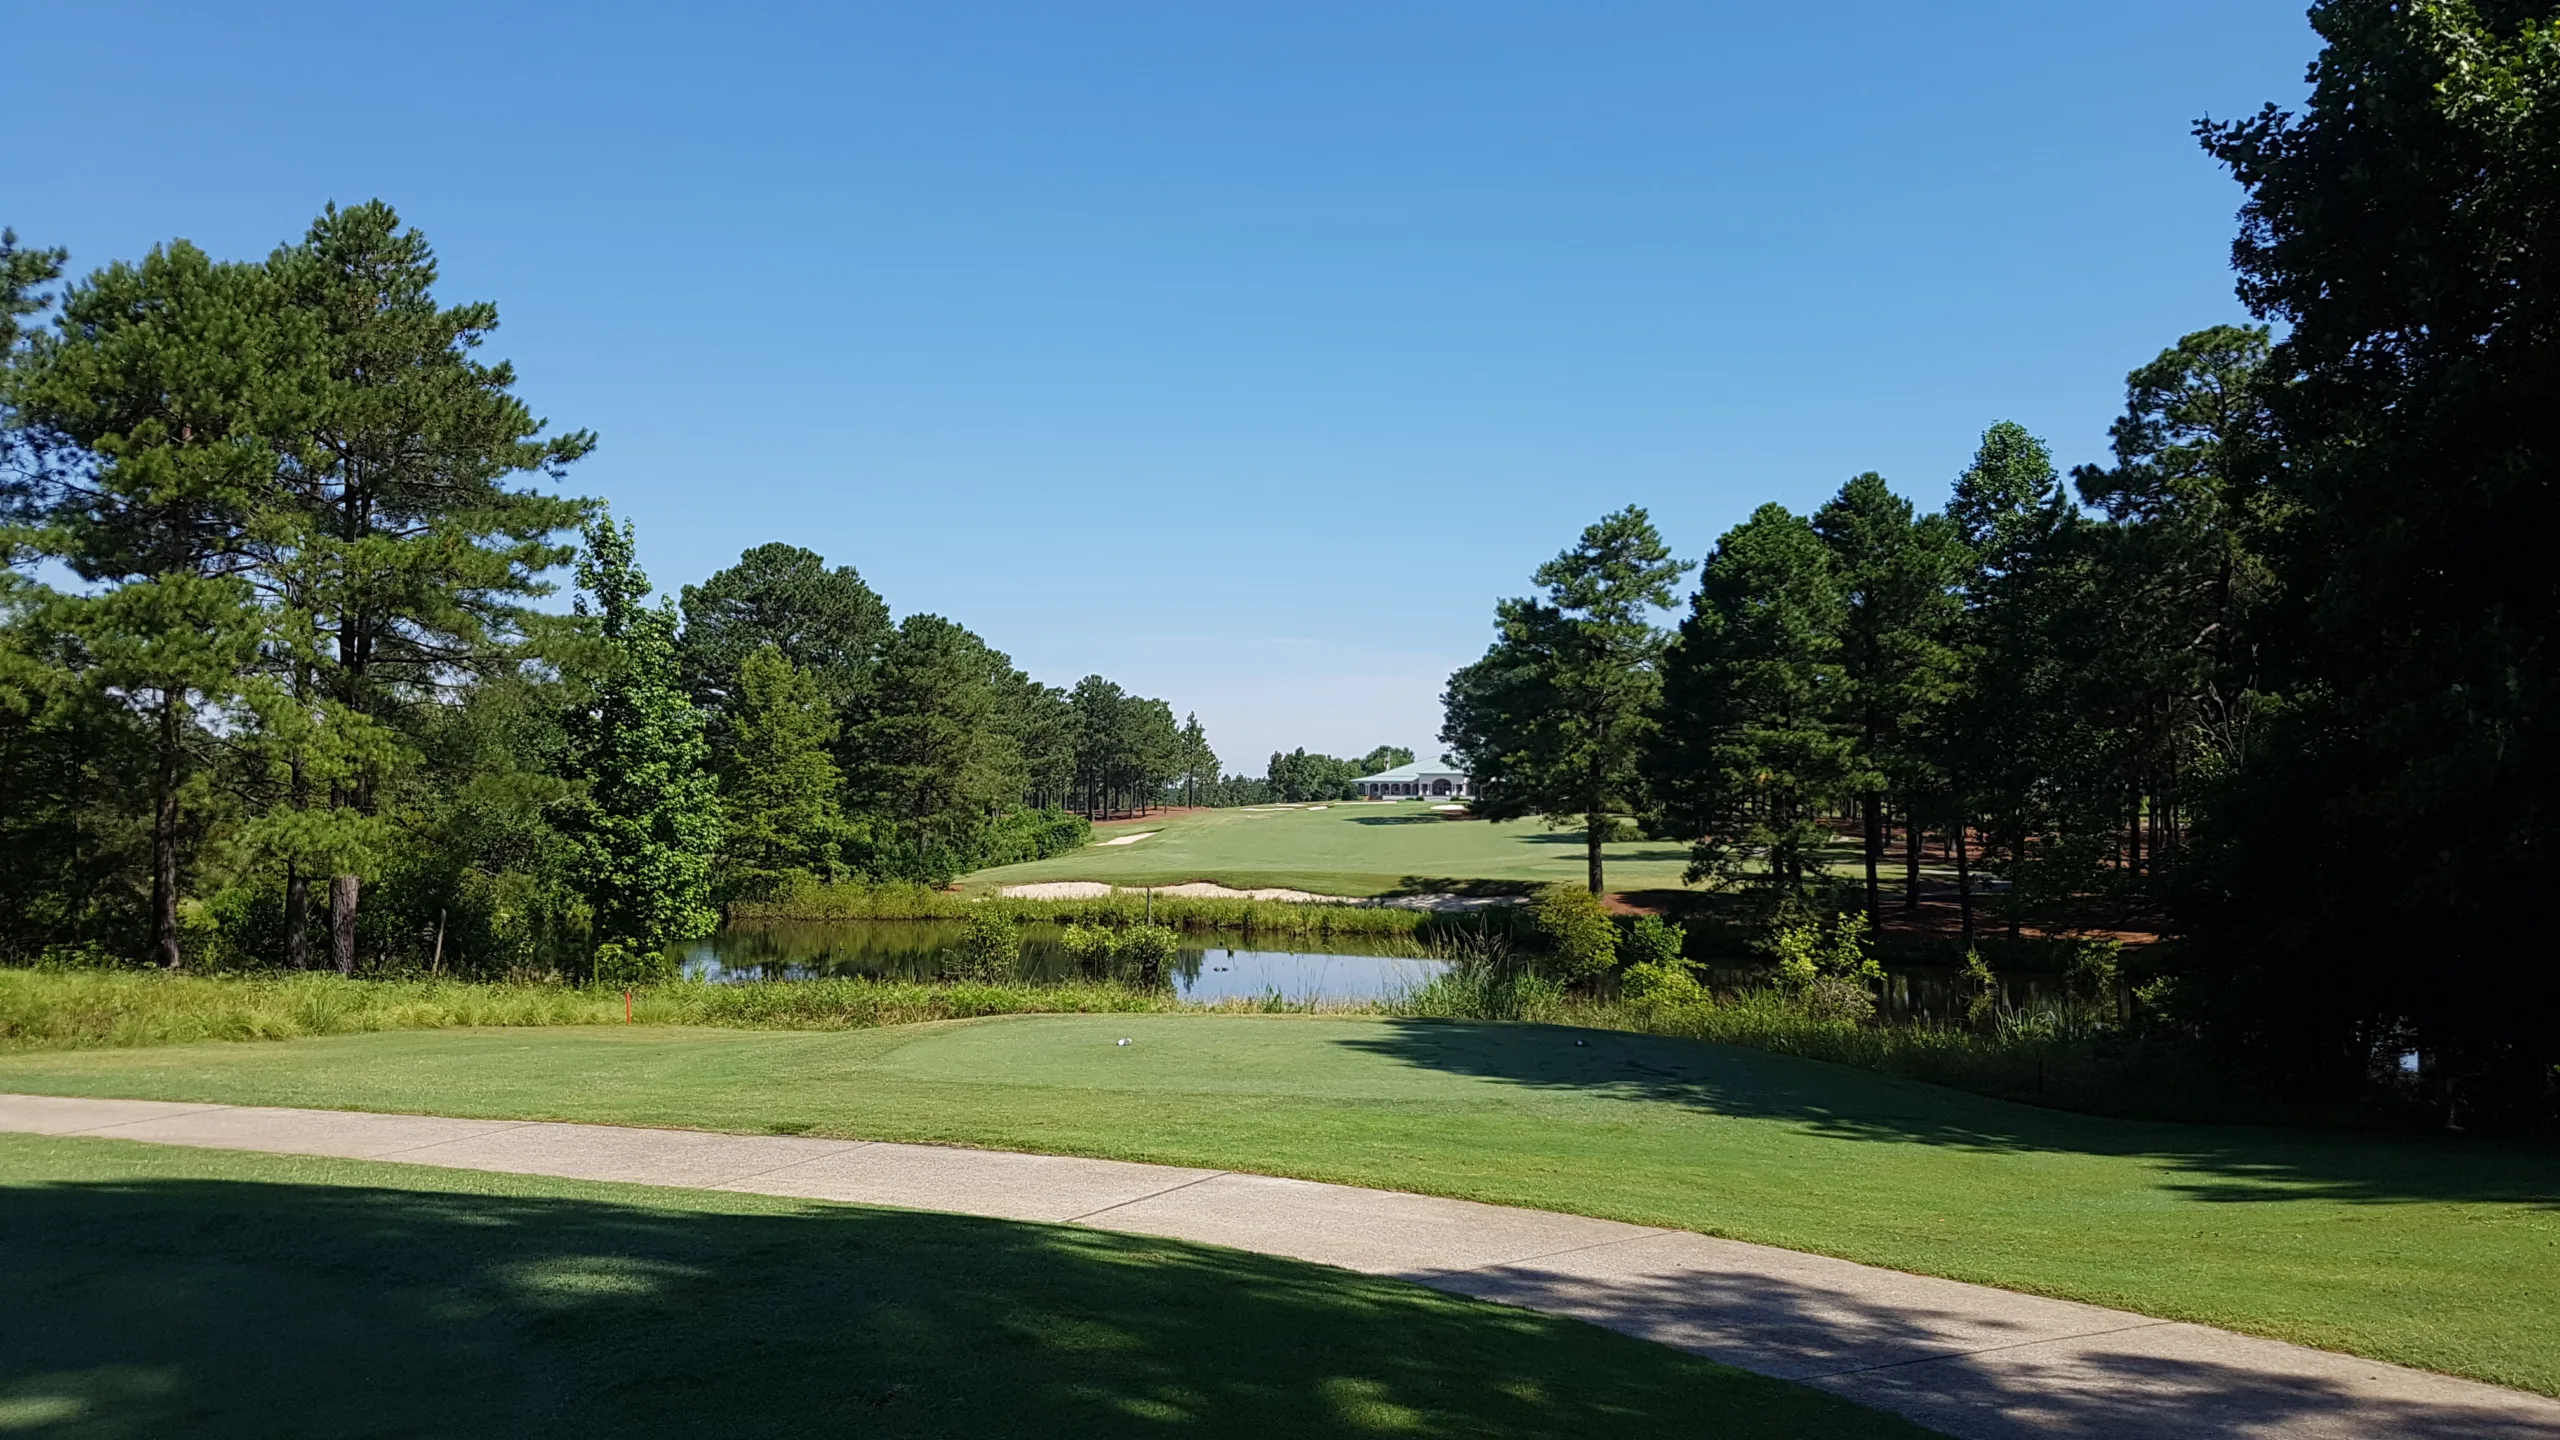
point(1333, 969)
point(1339, 970)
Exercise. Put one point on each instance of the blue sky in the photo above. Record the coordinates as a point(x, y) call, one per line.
point(1244, 354)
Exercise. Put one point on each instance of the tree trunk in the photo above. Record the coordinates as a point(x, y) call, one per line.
point(297, 917)
point(164, 841)
point(2009, 901)
point(1874, 818)
point(2133, 838)
point(1964, 881)
point(1594, 825)
point(1911, 861)
point(342, 922)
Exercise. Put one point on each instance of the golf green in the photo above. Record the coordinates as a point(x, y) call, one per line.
point(1357, 848)
point(2434, 1252)
point(154, 1291)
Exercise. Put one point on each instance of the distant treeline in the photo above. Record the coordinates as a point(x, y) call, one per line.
point(1296, 776)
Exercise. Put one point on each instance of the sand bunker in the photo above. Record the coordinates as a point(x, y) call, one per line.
point(1131, 839)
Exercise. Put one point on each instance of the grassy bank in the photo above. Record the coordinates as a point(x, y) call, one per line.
point(919, 902)
point(164, 1291)
point(81, 1009)
point(2431, 1251)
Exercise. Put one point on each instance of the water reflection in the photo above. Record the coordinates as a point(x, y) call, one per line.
point(1345, 970)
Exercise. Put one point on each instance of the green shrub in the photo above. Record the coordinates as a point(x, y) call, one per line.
point(1577, 930)
point(990, 947)
point(1148, 951)
point(621, 964)
point(1652, 940)
point(1651, 982)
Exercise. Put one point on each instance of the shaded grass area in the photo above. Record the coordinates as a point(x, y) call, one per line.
point(2430, 1251)
point(1346, 849)
point(155, 1291)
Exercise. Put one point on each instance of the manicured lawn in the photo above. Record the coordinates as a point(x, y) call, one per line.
point(152, 1291)
point(1348, 849)
point(2431, 1252)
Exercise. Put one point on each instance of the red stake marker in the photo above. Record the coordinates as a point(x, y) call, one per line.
point(626, 1007)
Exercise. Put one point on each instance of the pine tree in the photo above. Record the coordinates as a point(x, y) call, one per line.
point(1751, 743)
point(1553, 720)
point(1897, 576)
point(163, 391)
point(646, 823)
point(408, 554)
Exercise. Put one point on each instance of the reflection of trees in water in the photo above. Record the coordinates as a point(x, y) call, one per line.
point(922, 949)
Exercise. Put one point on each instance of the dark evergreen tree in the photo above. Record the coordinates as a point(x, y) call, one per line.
point(1752, 745)
point(1552, 721)
point(2375, 879)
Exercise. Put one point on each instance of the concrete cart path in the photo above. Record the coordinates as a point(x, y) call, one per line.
point(1968, 1360)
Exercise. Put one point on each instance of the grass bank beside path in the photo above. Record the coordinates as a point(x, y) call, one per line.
point(76, 1009)
point(162, 1291)
point(1349, 848)
point(2433, 1252)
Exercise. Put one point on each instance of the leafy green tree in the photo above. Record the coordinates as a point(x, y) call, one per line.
point(1300, 775)
point(828, 623)
point(1553, 719)
point(1751, 744)
point(932, 762)
point(1897, 576)
point(1383, 759)
point(780, 820)
point(2401, 802)
point(646, 820)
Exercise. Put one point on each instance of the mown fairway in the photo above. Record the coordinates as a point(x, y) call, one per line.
point(2430, 1252)
point(1345, 849)
point(153, 1291)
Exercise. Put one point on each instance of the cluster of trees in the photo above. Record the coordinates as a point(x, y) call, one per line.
point(2279, 677)
point(275, 678)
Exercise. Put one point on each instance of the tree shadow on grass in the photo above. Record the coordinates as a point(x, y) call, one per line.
point(2222, 1163)
point(2038, 1369)
point(184, 1295)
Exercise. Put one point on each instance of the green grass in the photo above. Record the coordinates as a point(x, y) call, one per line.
point(2428, 1251)
point(1344, 849)
point(154, 1291)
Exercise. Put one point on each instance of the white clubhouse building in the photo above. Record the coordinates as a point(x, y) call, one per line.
point(1407, 782)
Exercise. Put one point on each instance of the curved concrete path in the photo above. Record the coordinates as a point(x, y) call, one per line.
point(1968, 1360)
